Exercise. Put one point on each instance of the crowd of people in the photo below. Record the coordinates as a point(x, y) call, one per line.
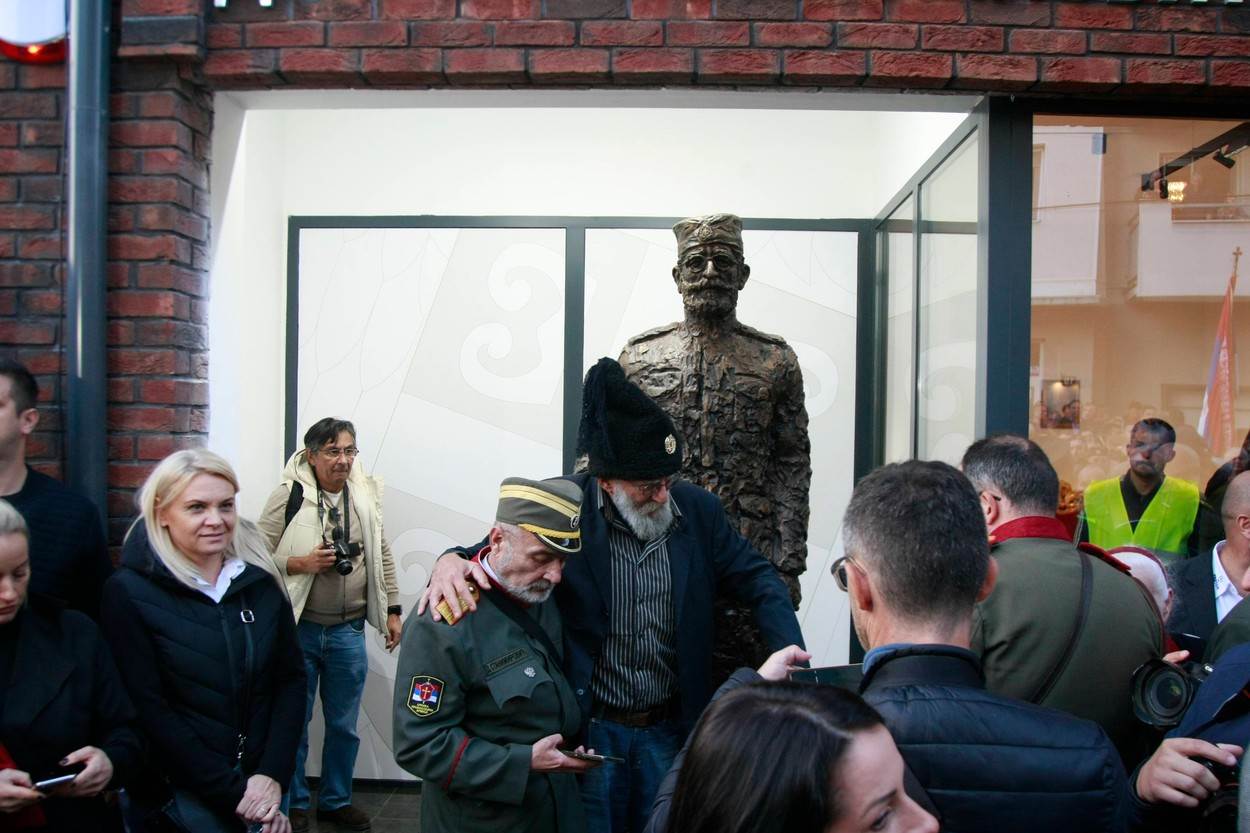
point(556, 675)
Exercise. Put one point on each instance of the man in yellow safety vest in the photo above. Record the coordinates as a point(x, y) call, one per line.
point(1144, 508)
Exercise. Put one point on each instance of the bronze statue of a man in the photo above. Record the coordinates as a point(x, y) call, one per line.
point(736, 394)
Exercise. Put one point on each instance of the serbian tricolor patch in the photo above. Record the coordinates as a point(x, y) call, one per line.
point(425, 695)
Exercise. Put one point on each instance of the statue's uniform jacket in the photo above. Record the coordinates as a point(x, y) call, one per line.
point(500, 692)
point(736, 396)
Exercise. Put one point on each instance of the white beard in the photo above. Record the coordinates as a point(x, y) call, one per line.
point(647, 526)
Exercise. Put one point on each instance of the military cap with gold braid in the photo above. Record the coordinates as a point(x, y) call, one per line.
point(551, 509)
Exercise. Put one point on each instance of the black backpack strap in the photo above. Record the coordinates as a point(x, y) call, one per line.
point(1082, 614)
point(293, 503)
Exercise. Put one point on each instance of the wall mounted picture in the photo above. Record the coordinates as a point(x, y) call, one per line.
point(1061, 403)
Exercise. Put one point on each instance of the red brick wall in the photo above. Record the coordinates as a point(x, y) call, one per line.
point(173, 53)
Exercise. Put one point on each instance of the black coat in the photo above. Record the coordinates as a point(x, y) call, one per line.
point(63, 694)
point(182, 657)
point(991, 763)
point(1193, 610)
point(706, 555)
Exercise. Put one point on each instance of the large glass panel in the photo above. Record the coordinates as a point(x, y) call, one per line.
point(947, 372)
point(896, 248)
point(802, 288)
point(443, 346)
point(1136, 229)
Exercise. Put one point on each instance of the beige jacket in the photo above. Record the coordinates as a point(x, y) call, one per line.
point(305, 532)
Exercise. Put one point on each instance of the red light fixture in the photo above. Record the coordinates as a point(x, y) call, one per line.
point(34, 31)
point(53, 52)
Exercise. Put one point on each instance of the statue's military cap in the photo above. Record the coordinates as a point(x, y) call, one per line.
point(713, 228)
point(551, 509)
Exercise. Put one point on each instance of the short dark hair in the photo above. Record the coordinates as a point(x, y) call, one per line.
point(1158, 427)
point(918, 526)
point(326, 430)
point(797, 733)
point(1016, 468)
point(25, 390)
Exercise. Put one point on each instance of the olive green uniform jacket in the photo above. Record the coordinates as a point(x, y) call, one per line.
point(1023, 629)
point(470, 701)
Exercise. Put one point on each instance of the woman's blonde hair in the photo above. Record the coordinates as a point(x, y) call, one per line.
point(166, 482)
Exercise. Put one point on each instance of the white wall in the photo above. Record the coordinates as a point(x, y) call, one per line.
point(282, 154)
point(406, 157)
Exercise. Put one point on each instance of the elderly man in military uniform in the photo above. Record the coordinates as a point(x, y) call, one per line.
point(736, 395)
point(482, 706)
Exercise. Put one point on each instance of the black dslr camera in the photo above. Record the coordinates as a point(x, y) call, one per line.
point(1162, 691)
point(1219, 811)
point(344, 551)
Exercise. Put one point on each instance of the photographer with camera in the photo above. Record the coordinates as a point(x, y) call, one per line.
point(324, 525)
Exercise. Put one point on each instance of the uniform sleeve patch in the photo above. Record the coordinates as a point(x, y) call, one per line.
point(425, 695)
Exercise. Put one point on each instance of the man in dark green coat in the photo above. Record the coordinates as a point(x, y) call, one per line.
point(482, 706)
point(1063, 628)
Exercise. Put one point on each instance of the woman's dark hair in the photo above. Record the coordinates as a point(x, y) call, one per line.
point(763, 760)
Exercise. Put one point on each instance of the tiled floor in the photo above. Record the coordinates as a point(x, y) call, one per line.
point(392, 808)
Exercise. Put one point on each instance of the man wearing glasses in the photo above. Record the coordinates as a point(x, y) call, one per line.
point(638, 606)
point(1144, 508)
point(324, 526)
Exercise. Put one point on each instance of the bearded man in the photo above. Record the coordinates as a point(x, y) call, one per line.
point(482, 709)
point(736, 395)
point(638, 604)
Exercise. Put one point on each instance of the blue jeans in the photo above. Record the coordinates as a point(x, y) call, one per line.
point(618, 797)
point(336, 655)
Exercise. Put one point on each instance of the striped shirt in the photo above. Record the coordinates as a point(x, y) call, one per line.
point(637, 667)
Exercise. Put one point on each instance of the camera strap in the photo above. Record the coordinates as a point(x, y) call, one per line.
point(1082, 614)
point(345, 502)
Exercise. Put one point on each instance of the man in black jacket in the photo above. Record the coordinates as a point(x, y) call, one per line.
point(67, 547)
point(917, 562)
point(638, 604)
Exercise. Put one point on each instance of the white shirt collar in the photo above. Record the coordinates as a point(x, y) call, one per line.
point(230, 570)
point(490, 572)
point(1226, 593)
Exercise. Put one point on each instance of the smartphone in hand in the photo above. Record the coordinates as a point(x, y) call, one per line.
point(57, 777)
point(590, 756)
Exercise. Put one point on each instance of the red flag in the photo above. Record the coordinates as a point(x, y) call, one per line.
point(1220, 400)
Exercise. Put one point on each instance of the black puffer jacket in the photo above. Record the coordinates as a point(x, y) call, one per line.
point(182, 658)
point(991, 763)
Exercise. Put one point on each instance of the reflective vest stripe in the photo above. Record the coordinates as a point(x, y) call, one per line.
point(1165, 525)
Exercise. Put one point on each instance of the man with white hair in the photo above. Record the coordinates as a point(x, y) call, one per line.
point(482, 705)
point(1209, 586)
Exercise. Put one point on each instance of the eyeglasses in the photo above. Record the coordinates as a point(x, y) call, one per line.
point(698, 262)
point(648, 488)
point(334, 453)
point(838, 569)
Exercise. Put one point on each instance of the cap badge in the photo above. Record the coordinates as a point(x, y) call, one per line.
point(529, 671)
point(670, 444)
point(704, 233)
point(575, 521)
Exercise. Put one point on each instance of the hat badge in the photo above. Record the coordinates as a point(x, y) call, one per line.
point(704, 234)
point(575, 521)
point(670, 444)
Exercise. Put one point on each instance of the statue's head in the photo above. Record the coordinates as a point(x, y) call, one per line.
point(710, 270)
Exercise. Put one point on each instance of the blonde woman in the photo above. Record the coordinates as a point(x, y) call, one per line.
point(206, 643)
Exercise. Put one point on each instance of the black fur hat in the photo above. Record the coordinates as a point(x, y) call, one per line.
point(625, 434)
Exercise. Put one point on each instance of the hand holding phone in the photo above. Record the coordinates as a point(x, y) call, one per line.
point(591, 756)
point(58, 777)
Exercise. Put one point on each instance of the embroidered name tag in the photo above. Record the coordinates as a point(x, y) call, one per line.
point(425, 695)
point(508, 660)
